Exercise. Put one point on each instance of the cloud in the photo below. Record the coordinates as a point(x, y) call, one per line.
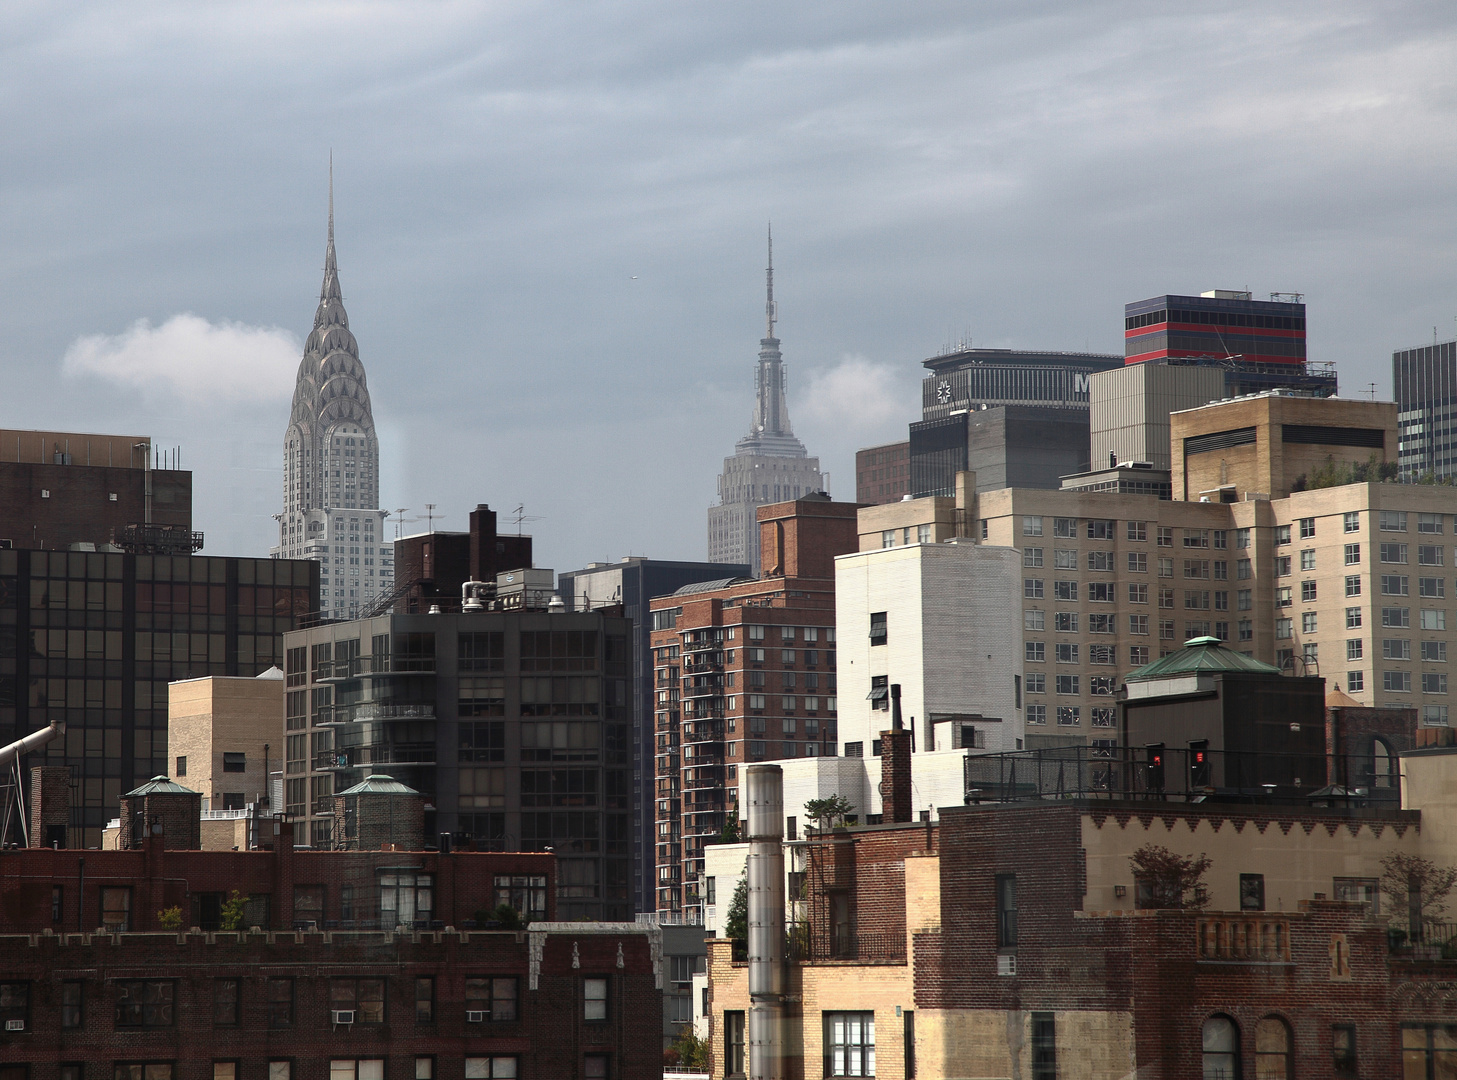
point(857, 393)
point(191, 358)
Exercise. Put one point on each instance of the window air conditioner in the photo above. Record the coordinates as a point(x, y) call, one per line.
point(343, 1016)
point(475, 1016)
point(1006, 964)
point(15, 1025)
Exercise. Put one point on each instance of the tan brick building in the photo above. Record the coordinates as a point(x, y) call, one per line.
point(224, 736)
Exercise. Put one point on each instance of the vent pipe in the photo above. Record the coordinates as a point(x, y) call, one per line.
point(765, 792)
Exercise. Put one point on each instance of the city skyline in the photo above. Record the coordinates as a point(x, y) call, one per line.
point(158, 269)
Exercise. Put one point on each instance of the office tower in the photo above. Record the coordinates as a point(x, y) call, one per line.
point(1220, 323)
point(769, 465)
point(630, 584)
point(331, 509)
point(511, 720)
point(883, 473)
point(1424, 380)
point(1015, 418)
point(745, 671)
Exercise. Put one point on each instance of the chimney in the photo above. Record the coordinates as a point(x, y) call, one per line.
point(765, 791)
point(895, 764)
point(50, 805)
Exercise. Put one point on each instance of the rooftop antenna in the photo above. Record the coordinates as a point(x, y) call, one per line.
point(399, 519)
point(1372, 391)
point(520, 515)
point(430, 517)
point(771, 309)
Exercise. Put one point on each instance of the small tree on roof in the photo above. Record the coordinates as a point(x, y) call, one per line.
point(829, 811)
point(1167, 880)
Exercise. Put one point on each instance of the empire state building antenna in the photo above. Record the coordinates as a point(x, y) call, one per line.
point(771, 309)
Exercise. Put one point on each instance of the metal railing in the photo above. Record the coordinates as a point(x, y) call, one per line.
point(803, 945)
point(1175, 774)
point(1430, 940)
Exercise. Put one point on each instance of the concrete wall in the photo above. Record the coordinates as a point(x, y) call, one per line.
point(1129, 407)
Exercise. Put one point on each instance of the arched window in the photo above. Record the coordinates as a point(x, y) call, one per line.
point(1272, 1049)
point(1221, 1049)
point(1383, 765)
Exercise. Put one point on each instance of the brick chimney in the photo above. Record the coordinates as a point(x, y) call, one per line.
point(50, 805)
point(895, 764)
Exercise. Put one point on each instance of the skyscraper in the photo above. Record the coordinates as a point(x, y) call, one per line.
point(769, 465)
point(1425, 382)
point(331, 462)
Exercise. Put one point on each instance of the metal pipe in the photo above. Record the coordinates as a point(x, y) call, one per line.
point(33, 741)
point(765, 792)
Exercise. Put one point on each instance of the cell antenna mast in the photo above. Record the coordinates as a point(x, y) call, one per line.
point(771, 310)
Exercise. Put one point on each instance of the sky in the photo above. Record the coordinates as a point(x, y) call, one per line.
point(551, 219)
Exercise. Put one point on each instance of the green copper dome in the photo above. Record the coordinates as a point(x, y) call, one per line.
point(1201, 654)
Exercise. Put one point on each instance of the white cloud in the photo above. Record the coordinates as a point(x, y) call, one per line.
point(191, 358)
point(856, 394)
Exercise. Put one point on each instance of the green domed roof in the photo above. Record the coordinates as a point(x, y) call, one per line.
point(159, 785)
point(1201, 654)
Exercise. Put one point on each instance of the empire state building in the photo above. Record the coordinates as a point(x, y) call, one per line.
point(769, 464)
point(331, 462)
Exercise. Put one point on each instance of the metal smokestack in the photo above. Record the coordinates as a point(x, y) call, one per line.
point(895, 708)
point(765, 792)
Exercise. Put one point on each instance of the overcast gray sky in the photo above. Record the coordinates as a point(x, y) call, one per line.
point(550, 221)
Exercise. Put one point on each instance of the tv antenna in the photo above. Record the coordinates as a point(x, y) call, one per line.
point(519, 516)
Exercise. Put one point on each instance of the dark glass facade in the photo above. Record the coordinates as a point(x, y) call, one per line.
point(1424, 380)
point(93, 639)
point(1230, 327)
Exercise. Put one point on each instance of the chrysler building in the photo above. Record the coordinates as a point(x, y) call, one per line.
point(769, 464)
point(331, 463)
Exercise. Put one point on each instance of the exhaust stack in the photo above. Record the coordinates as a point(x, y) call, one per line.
point(765, 791)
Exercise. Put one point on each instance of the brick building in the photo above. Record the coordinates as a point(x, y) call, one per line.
point(556, 1000)
point(745, 671)
point(883, 473)
point(1013, 939)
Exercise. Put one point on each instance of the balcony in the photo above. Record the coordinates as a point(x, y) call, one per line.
point(707, 645)
point(1245, 937)
point(693, 692)
point(370, 710)
point(702, 731)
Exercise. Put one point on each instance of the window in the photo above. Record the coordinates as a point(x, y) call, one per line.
point(1196, 538)
point(1100, 560)
point(1138, 562)
point(1068, 685)
point(1101, 624)
point(1067, 652)
point(1221, 570)
point(1138, 655)
point(1392, 521)
point(1138, 594)
point(1064, 560)
point(1243, 569)
point(225, 1001)
point(1006, 898)
point(495, 998)
point(1396, 616)
point(877, 628)
point(1395, 585)
point(1284, 628)
point(1307, 559)
point(1396, 682)
point(1246, 630)
point(1429, 523)
point(1165, 536)
point(1138, 530)
point(1353, 554)
point(1196, 568)
point(1284, 596)
point(1434, 716)
point(1353, 618)
point(235, 762)
point(363, 997)
point(1100, 529)
point(135, 1070)
point(72, 1002)
point(58, 902)
point(1068, 715)
point(1393, 553)
point(1429, 555)
point(1221, 539)
point(1433, 619)
point(145, 1003)
point(1307, 622)
point(1353, 649)
point(1355, 681)
point(594, 999)
point(1252, 892)
point(1166, 598)
point(1272, 1049)
point(1166, 629)
point(850, 1043)
point(1036, 683)
point(182, 766)
point(1065, 622)
point(1031, 526)
point(1241, 538)
point(1138, 624)
point(1036, 652)
point(1221, 1049)
point(1034, 619)
point(923, 536)
point(1434, 683)
point(733, 1043)
point(1343, 1051)
point(116, 909)
point(1431, 587)
point(887, 538)
point(1282, 565)
point(424, 1068)
point(1307, 528)
point(1065, 527)
point(1066, 591)
point(15, 1003)
point(1032, 556)
point(1036, 714)
point(1044, 1046)
point(1282, 534)
point(1434, 652)
point(1353, 585)
point(1032, 588)
point(1395, 649)
point(1106, 685)
point(364, 1069)
point(425, 999)
point(1351, 521)
point(1166, 568)
point(280, 1002)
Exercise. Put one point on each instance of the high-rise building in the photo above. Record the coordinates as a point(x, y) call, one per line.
point(1424, 381)
point(769, 465)
point(883, 473)
point(1220, 323)
point(745, 672)
point(629, 585)
point(331, 462)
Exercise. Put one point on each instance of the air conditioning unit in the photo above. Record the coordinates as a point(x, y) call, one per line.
point(1006, 964)
point(15, 1025)
point(343, 1016)
point(475, 1016)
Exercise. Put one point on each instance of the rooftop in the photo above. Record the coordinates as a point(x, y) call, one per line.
point(1202, 654)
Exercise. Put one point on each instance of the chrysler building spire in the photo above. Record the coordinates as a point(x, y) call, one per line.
point(331, 455)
